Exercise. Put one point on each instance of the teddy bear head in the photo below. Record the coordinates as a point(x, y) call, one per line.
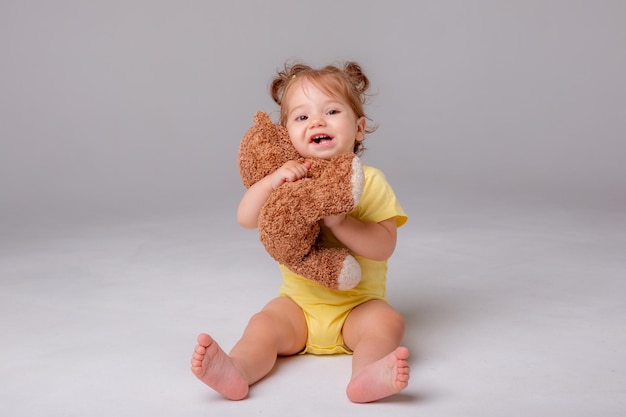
point(264, 148)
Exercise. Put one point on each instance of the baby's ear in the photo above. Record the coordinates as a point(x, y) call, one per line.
point(361, 124)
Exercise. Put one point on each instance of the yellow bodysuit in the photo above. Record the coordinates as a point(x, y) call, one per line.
point(325, 309)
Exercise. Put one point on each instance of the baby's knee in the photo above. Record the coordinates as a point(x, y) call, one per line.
point(261, 319)
point(267, 323)
point(387, 321)
point(395, 321)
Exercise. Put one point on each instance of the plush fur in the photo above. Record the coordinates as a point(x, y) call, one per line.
point(289, 222)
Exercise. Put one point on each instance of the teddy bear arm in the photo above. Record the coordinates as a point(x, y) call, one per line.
point(337, 184)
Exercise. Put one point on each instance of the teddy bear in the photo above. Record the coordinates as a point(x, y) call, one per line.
point(289, 221)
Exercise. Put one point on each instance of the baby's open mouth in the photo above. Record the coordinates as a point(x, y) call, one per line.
point(320, 138)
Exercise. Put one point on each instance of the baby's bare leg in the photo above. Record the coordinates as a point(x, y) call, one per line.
point(279, 329)
point(380, 367)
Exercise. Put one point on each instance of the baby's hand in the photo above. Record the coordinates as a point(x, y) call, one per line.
point(332, 221)
point(289, 172)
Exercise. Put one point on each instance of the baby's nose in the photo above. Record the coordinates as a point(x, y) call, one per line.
point(317, 121)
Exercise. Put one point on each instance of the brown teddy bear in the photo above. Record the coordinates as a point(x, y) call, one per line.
point(289, 222)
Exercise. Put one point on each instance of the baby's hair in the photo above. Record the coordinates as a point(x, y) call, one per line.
point(348, 83)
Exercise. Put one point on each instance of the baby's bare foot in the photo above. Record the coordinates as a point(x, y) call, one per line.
point(382, 378)
point(213, 367)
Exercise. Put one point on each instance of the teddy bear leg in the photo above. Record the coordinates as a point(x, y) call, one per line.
point(330, 267)
point(350, 274)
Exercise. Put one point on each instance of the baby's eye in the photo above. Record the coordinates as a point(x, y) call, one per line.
point(334, 111)
point(301, 118)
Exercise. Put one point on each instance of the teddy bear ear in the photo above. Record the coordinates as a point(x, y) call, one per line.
point(261, 118)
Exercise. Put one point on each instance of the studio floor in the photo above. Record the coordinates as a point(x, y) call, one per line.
point(511, 310)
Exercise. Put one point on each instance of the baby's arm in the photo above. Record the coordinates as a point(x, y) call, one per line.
point(375, 241)
point(255, 196)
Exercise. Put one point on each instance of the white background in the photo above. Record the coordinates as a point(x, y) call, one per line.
point(501, 128)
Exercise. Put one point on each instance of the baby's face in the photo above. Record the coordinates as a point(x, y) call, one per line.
point(319, 125)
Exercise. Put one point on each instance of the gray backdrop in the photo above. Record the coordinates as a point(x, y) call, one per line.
point(136, 107)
